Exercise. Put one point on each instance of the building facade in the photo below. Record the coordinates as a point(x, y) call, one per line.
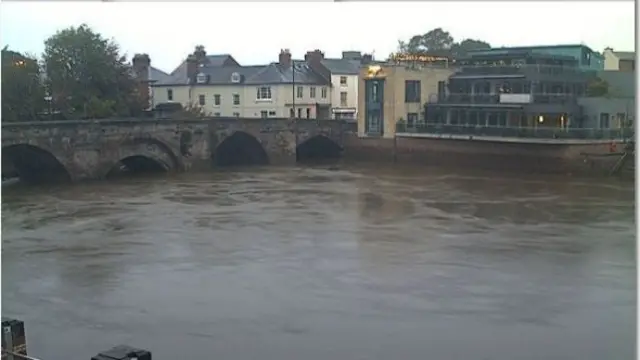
point(389, 93)
point(221, 87)
point(619, 60)
point(344, 81)
point(587, 58)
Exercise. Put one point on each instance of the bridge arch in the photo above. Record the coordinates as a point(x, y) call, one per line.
point(33, 164)
point(318, 147)
point(141, 156)
point(240, 148)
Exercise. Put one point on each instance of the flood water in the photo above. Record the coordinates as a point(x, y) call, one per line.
point(309, 263)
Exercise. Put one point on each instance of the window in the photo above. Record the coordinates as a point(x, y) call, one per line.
point(323, 93)
point(343, 98)
point(263, 93)
point(216, 100)
point(412, 91)
point(292, 113)
point(264, 114)
point(236, 114)
point(343, 80)
point(217, 114)
point(308, 113)
point(374, 92)
point(272, 113)
point(236, 99)
point(201, 100)
point(412, 119)
point(373, 122)
point(299, 92)
point(604, 121)
point(299, 113)
point(170, 94)
point(312, 92)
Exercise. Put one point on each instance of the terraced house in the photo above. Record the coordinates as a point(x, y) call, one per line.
point(223, 87)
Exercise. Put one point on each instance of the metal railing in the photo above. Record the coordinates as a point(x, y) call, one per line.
point(516, 132)
point(464, 98)
point(519, 69)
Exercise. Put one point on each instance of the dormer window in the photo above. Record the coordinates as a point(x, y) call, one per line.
point(201, 78)
point(235, 77)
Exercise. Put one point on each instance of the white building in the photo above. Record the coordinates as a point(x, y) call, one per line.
point(222, 87)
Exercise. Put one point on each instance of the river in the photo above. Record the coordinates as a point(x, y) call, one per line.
point(309, 263)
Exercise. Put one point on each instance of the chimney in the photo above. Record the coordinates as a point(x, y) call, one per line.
point(200, 54)
point(141, 64)
point(284, 59)
point(352, 55)
point(314, 57)
point(366, 59)
point(314, 60)
point(192, 67)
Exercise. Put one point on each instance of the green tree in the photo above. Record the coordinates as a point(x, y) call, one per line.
point(22, 88)
point(597, 87)
point(88, 76)
point(460, 50)
point(439, 42)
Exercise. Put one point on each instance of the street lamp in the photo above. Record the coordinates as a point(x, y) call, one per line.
point(49, 100)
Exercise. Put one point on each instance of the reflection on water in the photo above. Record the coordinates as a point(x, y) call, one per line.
point(316, 264)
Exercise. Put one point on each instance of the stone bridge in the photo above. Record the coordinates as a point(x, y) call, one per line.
point(87, 149)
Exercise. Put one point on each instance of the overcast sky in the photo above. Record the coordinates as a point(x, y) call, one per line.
point(254, 33)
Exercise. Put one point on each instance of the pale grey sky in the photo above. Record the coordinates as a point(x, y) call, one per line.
point(254, 33)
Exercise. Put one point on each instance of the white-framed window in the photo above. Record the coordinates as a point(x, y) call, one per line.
point(299, 92)
point(216, 100)
point(263, 93)
point(170, 94)
point(312, 92)
point(264, 114)
point(343, 80)
point(343, 98)
point(272, 113)
point(201, 100)
point(323, 93)
point(236, 99)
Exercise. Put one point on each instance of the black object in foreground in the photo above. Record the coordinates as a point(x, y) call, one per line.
point(13, 339)
point(123, 352)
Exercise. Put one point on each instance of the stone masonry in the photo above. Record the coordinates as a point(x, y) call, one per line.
point(90, 149)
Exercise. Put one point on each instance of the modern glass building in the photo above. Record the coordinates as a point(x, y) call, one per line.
point(587, 58)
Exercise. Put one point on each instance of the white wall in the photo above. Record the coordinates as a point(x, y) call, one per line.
point(611, 61)
point(279, 105)
point(351, 88)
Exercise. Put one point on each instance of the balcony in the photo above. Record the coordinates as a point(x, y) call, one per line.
point(526, 69)
point(506, 99)
point(516, 132)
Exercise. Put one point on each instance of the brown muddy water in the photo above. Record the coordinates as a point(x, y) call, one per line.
point(309, 263)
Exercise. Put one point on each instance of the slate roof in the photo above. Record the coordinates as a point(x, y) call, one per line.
point(342, 66)
point(157, 74)
point(625, 55)
point(251, 75)
point(212, 60)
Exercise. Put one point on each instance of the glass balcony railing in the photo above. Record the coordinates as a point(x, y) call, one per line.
point(518, 70)
point(516, 132)
point(507, 98)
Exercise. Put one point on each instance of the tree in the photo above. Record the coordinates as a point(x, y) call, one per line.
point(434, 41)
point(439, 42)
point(460, 50)
point(597, 87)
point(88, 77)
point(22, 89)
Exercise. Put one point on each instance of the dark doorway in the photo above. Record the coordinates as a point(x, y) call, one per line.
point(32, 164)
point(318, 148)
point(137, 165)
point(240, 149)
